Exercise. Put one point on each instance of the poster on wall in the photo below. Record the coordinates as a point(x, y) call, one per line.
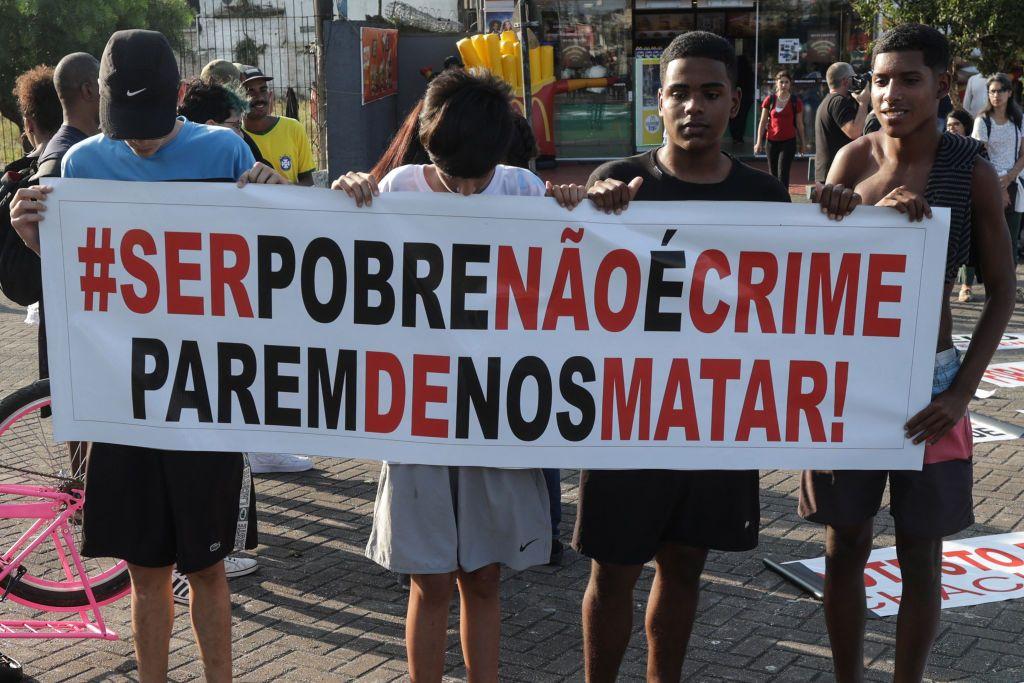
point(379, 62)
point(789, 50)
point(650, 131)
point(498, 16)
point(822, 46)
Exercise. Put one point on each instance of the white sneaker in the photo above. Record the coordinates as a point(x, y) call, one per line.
point(239, 566)
point(265, 463)
point(233, 568)
point(179, 587)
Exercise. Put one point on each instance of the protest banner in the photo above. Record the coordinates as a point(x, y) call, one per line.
point(1009, 340)
point(486, 330)
point(974, 571)
point(1005, 374)
point(985, 429)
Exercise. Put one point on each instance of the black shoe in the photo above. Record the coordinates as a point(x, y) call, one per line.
point(10, 669)
point(557, 549)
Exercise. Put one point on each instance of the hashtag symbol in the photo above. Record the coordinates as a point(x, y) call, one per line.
point(97, 258)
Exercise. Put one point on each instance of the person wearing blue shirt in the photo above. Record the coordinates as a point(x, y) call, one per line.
point(178, 501)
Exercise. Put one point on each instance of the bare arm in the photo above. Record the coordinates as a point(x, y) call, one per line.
point(801, 137)
point(854, 128)
point(992, 241)
point(761, 126)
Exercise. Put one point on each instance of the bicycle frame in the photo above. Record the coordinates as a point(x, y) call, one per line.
point(52, 514)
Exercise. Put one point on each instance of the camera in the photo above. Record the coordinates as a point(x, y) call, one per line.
point(860, 81)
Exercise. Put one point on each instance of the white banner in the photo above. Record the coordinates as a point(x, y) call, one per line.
point(974, 571)
point(987, 429)
point(1009, 340)
point(500, 331)
point(1005, 374)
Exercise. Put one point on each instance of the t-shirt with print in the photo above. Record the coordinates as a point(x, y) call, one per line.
point(286, 147)
point(782, 124)
point(507, 180)
point(1003, 143)
point(743, 184)
point(197, 153)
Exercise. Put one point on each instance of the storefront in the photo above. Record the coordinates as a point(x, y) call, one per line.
point(622, 39)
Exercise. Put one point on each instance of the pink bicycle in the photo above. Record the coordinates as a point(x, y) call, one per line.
point(41, 498)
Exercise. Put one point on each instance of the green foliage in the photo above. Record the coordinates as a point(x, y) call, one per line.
point(42, 31)
point(991, 25)
point(247, 51)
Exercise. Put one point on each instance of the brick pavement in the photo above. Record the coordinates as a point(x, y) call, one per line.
point(318, 611)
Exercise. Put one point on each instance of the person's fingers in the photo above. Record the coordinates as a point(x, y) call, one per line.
point(913, 425)
point(834, 199)
point(622, 197)
point(634, 186)
point(31, 217)
point(367, 191)
point(579, 192)
point(596, 195)
point(825, 197)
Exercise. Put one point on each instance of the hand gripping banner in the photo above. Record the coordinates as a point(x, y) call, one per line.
point(498, 331)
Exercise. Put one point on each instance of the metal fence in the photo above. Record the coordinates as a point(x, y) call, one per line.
point(278, 36)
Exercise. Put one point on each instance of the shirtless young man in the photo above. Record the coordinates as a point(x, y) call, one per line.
point(910, 166)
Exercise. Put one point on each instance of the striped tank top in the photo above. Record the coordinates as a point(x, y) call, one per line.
point(949, 186)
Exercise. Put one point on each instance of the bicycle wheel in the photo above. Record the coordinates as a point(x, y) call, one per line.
point(30, 456)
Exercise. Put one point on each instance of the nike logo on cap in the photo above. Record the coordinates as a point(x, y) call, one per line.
point(133, 93)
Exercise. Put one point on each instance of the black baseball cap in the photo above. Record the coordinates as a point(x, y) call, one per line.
point(138, 86)
point(252, 73)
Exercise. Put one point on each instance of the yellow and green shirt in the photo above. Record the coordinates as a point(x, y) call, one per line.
point(286, 147)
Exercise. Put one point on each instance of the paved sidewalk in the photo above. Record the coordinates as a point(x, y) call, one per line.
point(319, 611)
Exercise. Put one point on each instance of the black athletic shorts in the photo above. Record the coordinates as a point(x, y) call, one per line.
point(625, 516)
point(933, 502)
point(156, 508)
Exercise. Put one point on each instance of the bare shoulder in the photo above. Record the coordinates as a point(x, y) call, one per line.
point(854, 161)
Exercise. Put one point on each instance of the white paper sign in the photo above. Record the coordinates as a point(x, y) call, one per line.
point(987, 429)
point(974, 571)
point(1005, 374)
point(500, 331)
point(789, 50)
point(1010, 340)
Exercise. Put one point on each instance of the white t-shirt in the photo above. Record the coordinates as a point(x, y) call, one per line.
point(1002, 151)
point(976, 94)
point(507, 180)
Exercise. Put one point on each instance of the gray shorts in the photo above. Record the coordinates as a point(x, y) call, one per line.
point(434, 519)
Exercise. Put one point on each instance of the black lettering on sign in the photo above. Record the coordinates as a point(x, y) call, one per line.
point(190, 364)
point(269, 279)
point(143, 381)
point(526, 368)
point(323, 311)
point(239, 385)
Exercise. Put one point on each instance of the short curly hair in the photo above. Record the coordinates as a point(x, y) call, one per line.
point(211, 102)
point(37, 98)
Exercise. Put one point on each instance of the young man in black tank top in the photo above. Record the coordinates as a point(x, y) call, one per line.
point(904, 166)
point(629, 517)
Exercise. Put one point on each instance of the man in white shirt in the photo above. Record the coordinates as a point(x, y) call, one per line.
point(976, 94)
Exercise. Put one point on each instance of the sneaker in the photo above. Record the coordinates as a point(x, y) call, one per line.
point(239, 566)
point(266, 463)
point(557, 550)
point(965, 295)
point(179, 587)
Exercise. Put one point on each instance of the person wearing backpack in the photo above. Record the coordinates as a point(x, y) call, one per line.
point(782, 119)
point(1001, 127)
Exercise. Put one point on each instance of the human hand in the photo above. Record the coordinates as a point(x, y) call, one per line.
point(937, 418)
point(614, 196)
point(907, 201)
point(27, 209)
point(758, 148)
point(261, 174)
point(362, 187)
point(568, 196)
point(837, 200)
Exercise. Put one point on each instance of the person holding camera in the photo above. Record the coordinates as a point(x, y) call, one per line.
point(840, 117)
